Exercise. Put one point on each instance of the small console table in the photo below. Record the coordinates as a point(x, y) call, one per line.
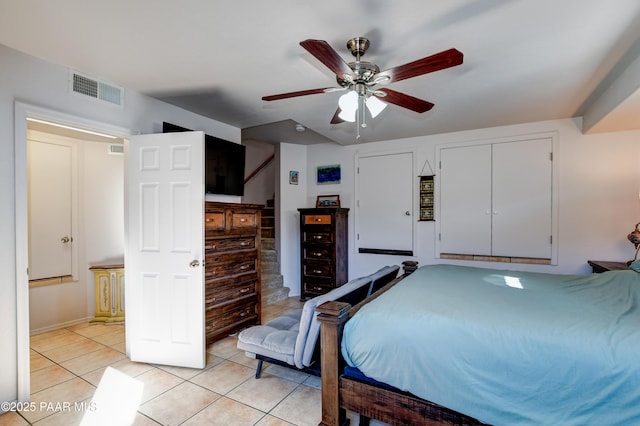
point(599, 266)
point(109, 280)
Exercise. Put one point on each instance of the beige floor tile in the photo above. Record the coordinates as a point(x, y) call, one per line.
point(110, 338)
point(120, 347)
point(225, 412)
point(314, 382)
point(225, 348)
point(37, 361)
point(242, 358)
point(184, 372)
point(130, 368)
point(51, 400)
point(156, 382)
point(303, 407)
point(11, 418)
point(142, 420)
point(93, 330)
point(48, 377)
point(57, 341)
point(285, 373)
point(264, 393)
point(49, 335)
point(71, 416)
point(223, 377)
point(73, 350)
point(92, 361)
point(270, 420)
point(178, 404)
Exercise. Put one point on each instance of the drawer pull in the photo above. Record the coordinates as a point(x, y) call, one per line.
point(317, 254)
point(242, 219)
point(244, 290)
point(317, 237)
point(318, 219)
point(244, 243)
point(244, 267)
point(317, 271)
point(317, 288)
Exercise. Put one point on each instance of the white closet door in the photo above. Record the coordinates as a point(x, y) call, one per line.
point(50, 209)
point(522, 176)
point(384, 221)
point(465, 200)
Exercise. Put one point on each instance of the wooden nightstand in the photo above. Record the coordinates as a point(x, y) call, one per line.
point(603, 266)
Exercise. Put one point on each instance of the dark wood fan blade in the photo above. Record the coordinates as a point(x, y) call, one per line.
point(439, 61)
point(294, 94)
point(405, 101)
point(336, 119)
point(328, 56)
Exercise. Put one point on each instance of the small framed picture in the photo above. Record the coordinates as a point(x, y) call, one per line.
point(328, 175)
point(328, 201)
point(293, 177)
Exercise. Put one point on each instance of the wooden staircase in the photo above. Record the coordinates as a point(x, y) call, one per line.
point(273, 289)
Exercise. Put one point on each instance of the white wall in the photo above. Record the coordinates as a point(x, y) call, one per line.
point(35, 82)
point(262, 186)
point(289, 198)
point(599, 181)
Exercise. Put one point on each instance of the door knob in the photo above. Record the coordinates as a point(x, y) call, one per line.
point(65, 239)
point(194, 264)
point(407, 213)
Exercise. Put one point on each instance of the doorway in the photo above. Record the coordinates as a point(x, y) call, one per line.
point(22, 113)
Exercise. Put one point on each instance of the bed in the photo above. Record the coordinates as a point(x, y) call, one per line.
point(462, 345)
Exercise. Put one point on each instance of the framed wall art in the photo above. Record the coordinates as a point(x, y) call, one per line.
point(328, 201)
point(328, 174)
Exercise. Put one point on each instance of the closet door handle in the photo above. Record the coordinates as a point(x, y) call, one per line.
point(194, 264)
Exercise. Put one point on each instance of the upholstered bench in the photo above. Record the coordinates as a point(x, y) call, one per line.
point(291, 339)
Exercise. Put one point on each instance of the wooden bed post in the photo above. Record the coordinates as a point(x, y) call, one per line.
point(332, 316)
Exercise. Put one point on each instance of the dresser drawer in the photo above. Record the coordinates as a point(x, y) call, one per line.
point(317, 237)
point(225, 295)
point(218, 318)
point(317, 269)
point(244, 220)
point(235, 265)
point(214, 220)
point(317, 219)
point(318, 285)
point(317, 252)
point(218, 245)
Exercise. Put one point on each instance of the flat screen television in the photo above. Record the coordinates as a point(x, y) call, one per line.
point(223, 165)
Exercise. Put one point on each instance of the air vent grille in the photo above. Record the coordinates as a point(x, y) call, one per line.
point(116, 149)
point(99, 90)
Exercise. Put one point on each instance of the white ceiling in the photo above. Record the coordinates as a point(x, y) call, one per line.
point(524, 60)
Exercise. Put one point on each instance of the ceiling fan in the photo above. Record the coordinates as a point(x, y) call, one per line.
point(360, 78)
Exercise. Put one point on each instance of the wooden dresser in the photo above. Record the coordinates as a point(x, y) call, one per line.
point(323, 250)
point(232, 267)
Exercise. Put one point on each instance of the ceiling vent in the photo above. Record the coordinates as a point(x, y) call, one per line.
point(96, 89)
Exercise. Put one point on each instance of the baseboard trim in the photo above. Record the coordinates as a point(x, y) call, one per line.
point(58, 326)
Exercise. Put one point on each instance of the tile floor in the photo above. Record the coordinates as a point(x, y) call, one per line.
point(68, 364)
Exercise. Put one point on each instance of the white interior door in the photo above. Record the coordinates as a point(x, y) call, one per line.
point(385, 204)
point(164, 257)
point(50, 168)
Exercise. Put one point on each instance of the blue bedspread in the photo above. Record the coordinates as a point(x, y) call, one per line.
point(506, 347)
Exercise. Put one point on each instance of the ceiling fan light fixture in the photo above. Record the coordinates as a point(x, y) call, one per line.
point(348, 104)
point(375, 106)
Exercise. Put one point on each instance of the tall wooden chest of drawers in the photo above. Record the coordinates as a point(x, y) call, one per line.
point(232, 267)
point(323, 250)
